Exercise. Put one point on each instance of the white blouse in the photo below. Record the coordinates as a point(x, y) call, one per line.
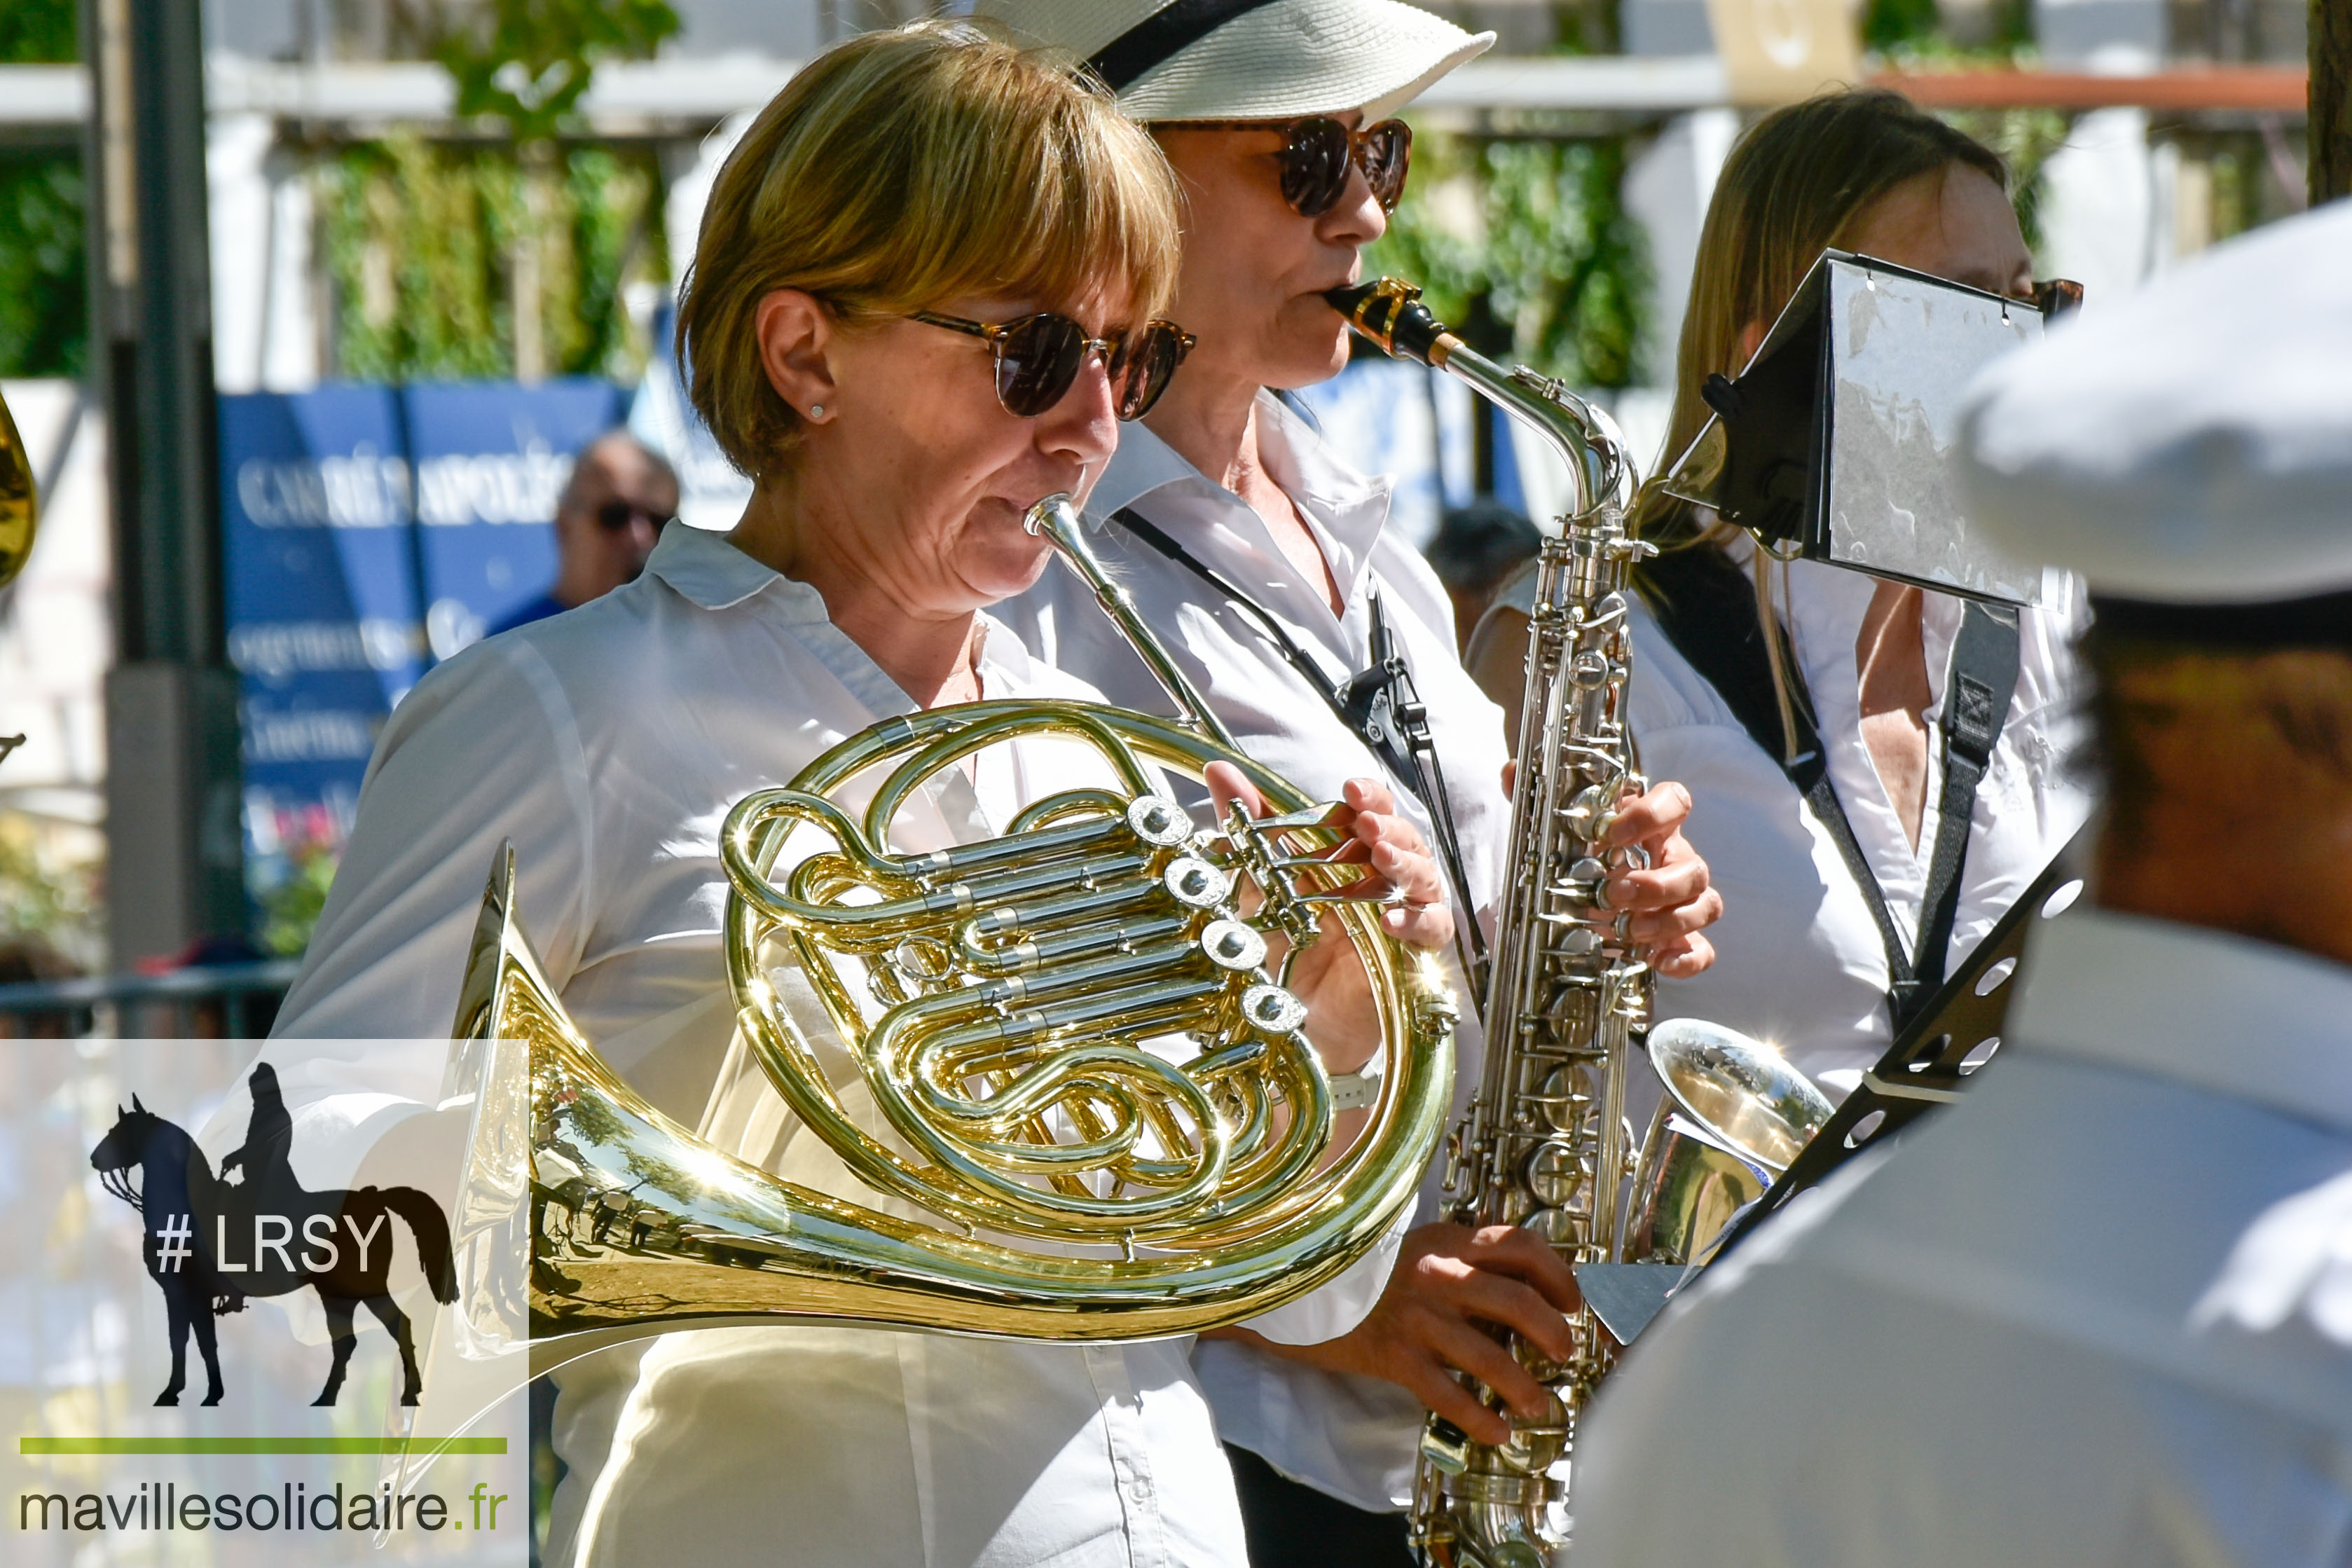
point(609, 743)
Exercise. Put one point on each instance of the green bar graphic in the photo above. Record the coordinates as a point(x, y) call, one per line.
point(261, 1445)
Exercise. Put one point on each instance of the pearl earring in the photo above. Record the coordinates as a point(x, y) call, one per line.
point(816, 410)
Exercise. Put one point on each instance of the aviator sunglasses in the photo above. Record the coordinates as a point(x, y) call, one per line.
point(1038, 359)
point(1315, 155)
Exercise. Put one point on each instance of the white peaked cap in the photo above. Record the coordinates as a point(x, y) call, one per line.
point(1272, 61)
point(2192, 444)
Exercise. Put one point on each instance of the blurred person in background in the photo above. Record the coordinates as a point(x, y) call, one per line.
point(619, 496)
point(1824, 798)
point(2099, 1312)
point(1277, 119)
point(1475, 552)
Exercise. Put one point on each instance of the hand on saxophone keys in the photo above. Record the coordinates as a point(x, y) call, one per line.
point(1670, 898)
point(1451, 1284)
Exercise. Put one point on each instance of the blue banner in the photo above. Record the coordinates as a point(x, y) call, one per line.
point(371, 531)
point(323, 602)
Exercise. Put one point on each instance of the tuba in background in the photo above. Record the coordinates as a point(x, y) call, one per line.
point(1087, 1076)
point(1545, 1144)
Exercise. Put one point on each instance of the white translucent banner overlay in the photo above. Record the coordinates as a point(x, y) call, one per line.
point(210, 1254)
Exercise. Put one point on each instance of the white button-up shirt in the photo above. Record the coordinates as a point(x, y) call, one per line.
point(2099, 1313)
point(609, 744)
point(1799, 960)
point(1352, 1437)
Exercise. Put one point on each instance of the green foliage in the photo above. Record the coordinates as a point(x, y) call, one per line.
point(290, 909)
point(46, 892)
point(1890, 24)
point(37, 32)
point(1532, 236)
point(527, 62)
point(43, 287)
point(425, 245)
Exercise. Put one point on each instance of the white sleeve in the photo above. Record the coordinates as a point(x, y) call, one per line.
point(483, 750)
point(1332, 1310)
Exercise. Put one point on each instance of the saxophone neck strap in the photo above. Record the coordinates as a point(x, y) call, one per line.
point(1708, 610)
point(1380, 706)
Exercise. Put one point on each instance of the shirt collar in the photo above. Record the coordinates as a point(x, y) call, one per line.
point(711, 574)
point(1347, 507)
point(708, 569)
point(2231, 1015)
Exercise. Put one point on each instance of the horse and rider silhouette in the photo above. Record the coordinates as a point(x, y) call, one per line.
point(209, 1243)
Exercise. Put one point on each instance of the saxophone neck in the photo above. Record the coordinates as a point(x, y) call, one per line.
point(1058, 520)
point(1389, 311)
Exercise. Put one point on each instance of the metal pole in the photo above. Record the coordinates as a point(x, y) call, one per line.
point(175, 844)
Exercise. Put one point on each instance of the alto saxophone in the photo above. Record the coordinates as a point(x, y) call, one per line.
point(1545, 1145)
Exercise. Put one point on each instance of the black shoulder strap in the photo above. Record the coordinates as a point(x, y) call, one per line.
point(1381, 707)
point(1976, 705)
point(1706, 606)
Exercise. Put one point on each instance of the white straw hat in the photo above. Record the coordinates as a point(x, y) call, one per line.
point(1247, 59)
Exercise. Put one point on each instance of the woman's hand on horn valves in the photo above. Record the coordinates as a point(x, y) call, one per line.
point(1376, 836)
point(1343, 1021)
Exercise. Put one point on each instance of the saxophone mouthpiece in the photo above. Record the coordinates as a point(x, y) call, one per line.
point(1389, 311)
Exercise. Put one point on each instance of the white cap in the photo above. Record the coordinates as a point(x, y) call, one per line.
point(1275, 60)
point(2191, 444)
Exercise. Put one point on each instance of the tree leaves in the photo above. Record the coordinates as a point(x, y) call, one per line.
point(526, 62)
point(1533, 233)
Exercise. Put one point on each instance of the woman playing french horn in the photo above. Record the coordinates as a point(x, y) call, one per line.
point(928, 292)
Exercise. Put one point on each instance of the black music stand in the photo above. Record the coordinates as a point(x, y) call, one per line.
point(1929, 1063)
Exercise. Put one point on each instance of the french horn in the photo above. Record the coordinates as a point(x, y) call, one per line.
point(1099, 1115)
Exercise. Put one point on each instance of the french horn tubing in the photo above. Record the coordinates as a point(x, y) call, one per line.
point(1095, 1091)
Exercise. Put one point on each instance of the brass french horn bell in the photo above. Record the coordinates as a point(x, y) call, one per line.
point(1064, 1063)
point(19, 517)
point(19, 513)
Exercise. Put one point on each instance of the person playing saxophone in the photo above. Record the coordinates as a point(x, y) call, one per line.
point(1278, 119)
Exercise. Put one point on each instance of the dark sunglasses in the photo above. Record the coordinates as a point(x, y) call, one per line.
point(1038, 359)
point(616, 515)
point(1316, 153)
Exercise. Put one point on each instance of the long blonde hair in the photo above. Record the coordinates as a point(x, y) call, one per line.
point(1798, 183)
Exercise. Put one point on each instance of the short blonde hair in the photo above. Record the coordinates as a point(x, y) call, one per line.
point(905, 169)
